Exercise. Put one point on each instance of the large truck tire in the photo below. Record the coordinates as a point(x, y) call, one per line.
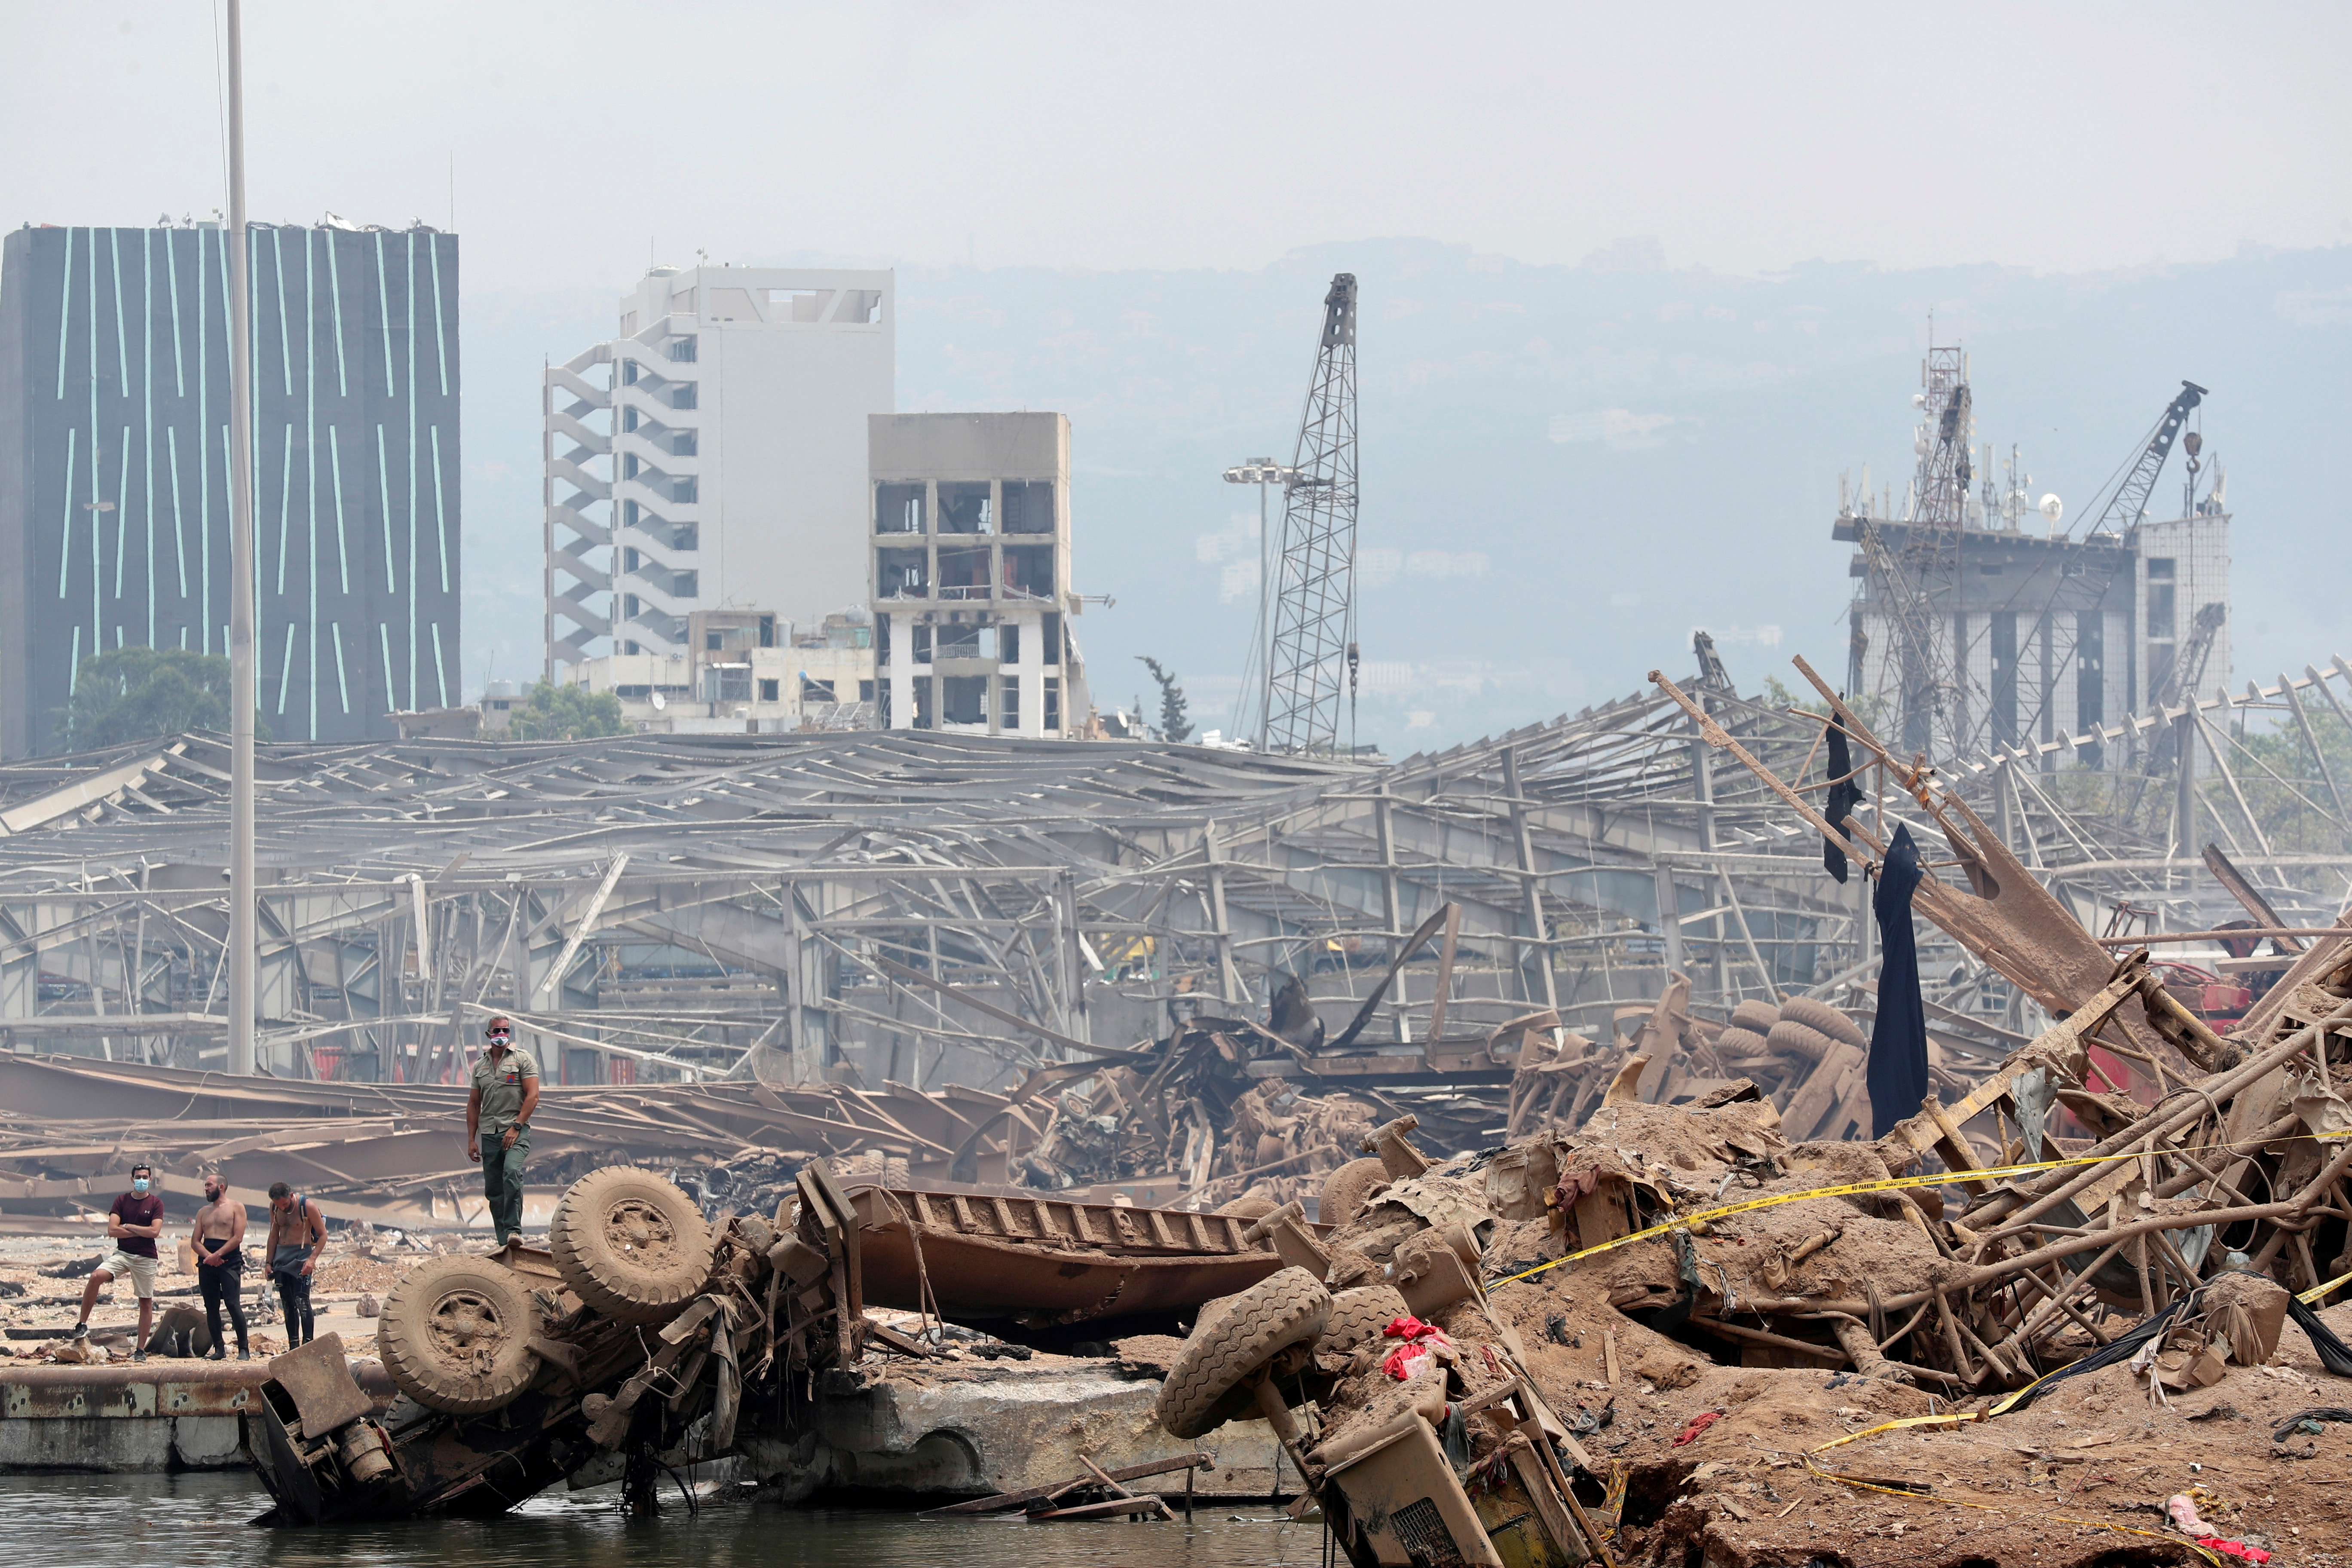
point(1208, 1386)
point(1345, 1190)
point(630, 1244)
point(455, 1334)
point(1358, 1316)
point(1822, 1018)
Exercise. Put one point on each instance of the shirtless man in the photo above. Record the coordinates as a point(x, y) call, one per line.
point(217, 1235)
point(297, 1235)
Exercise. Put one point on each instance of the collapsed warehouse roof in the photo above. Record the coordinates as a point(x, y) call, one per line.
point(929, 909)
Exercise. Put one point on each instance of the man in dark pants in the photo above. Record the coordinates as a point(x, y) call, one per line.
point(498, 1122)
point(297, 1235)
point(219, 1236)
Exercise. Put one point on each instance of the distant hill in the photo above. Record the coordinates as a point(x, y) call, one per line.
point(1565, 469)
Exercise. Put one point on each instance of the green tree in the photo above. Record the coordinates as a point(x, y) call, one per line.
point(143, 694)
point(566, 714)
point(1173, 724)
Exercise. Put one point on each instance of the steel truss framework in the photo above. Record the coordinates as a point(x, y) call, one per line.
point(1313, 601)
point(788, 907)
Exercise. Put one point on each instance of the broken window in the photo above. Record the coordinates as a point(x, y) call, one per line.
point(882, 639)
point(963, 698)
point(1053, 705)
point(1008, 644)
point(1050, 629)
point(957, 642)
point(922, 645)
point(1029, 571)
point(2162, 621)
point(815, 690)
point(771, 688)
point(2090, 679)
point(897, 508)
point(866, 691)
point(727, 683)
point(963, 507)
point(900, 574)
point(923, 703)
point(963, 574)
point(1008, 702)
point(1028, 506)
point(807, 306)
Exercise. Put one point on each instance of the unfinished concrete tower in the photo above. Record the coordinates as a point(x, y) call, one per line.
point(711, 455)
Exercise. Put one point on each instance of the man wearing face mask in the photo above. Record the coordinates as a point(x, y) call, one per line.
point(134, 1222)
point(219, 1236)
point(498, 1122)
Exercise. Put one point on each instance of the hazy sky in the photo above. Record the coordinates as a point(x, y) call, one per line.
point(1100, 136)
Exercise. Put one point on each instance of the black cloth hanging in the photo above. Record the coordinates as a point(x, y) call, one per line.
point(1898, 1037)
point(1845, 798)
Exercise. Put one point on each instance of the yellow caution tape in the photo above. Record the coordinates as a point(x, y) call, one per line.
point(1925, 1495)
point(2311, 1298)
point(1882, 1184)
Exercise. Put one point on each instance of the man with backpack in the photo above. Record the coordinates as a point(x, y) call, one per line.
point(297, 1235)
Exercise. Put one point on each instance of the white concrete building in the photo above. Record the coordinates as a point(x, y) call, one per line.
point(745, 673)
point(711, 456)
point(970, 530)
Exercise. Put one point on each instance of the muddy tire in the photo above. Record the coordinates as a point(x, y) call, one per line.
point(1791, 1038)
point(1758, 1017)
point(1358, 1316)
point(455, 1334)
point(630, 1244)
point(1742, 1043)
point(1345, 1190)
point(1249, 1206)
point(1822, 1018)
point(1207, 1386)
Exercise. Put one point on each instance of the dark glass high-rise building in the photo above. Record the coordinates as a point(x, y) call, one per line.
point(114, 443)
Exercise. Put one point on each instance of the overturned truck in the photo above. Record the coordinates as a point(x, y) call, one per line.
point(644, 1335)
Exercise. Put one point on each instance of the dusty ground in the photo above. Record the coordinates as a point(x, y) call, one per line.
point(2058, 1484)
point(342, 1279)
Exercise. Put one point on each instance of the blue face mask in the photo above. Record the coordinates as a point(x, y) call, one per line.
point(139, 1184)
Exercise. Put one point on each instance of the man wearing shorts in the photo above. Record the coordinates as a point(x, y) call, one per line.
point(219, 1236)
point(134, 1222)
point(297, 1234)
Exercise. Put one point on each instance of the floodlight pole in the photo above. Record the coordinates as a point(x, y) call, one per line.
point(244, 688)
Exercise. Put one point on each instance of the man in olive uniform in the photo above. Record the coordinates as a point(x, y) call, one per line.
point(498, 1122)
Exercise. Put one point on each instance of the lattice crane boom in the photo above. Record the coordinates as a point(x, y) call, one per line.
point(1315, 576)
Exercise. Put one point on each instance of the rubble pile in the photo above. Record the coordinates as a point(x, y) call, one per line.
point(1730, 1324)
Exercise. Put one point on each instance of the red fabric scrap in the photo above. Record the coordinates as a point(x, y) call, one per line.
point(1699, 1423)
point(1422, 1341)
point(2234, 1548)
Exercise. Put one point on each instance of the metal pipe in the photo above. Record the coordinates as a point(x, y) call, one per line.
point(245, 689)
